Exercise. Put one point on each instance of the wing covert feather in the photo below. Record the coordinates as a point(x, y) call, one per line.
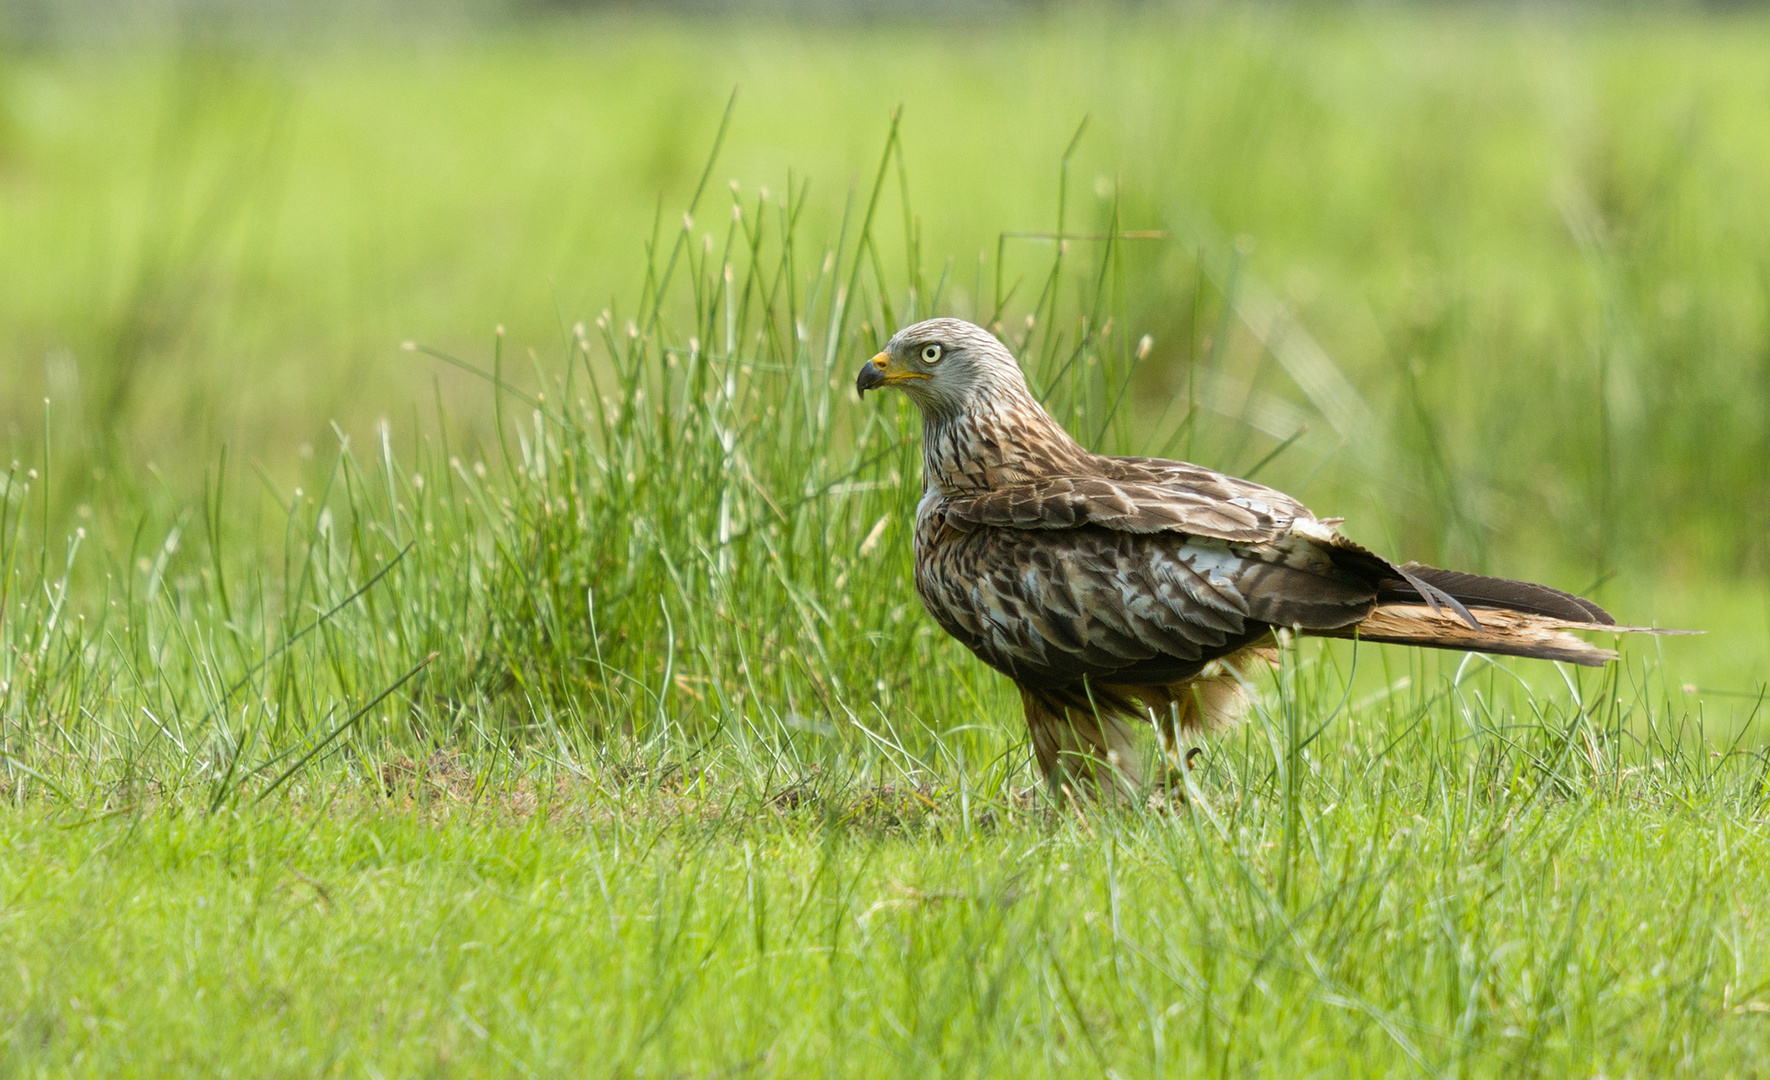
point(1134, 495)
point(1047, 608)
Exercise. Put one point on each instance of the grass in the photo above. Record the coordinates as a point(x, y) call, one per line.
point(1450, 934)
point(582, 717)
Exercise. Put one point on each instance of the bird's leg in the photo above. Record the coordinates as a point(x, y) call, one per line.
point(1172, 729)
point(1085, 750)
point(1210, 701)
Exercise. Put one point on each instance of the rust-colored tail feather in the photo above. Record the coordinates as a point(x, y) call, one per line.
point(1503, 632)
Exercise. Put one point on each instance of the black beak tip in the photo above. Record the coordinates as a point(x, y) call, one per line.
point(870, 378)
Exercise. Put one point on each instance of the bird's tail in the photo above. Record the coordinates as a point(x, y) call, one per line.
point(1508, 618)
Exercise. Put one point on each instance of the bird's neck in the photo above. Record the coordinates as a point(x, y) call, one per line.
point(980, 449)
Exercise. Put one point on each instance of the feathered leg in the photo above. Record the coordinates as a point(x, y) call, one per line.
point(1084, 750)
point(1211, 701)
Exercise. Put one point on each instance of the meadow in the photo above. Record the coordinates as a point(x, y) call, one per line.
point(455, 617)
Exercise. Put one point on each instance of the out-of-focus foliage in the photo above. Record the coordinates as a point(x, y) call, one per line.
point(1531, 242)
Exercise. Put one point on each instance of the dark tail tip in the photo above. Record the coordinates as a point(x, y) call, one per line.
point(1477, 591)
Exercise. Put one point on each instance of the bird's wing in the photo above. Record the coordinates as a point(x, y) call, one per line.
point(1184, 474)
point(1066, 502)
point(1135, 495)
point(1151, 495)
point(1049, 607)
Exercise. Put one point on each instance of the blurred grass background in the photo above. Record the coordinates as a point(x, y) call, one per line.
point(1533, 240)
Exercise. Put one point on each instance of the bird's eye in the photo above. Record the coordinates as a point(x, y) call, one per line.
point(930, 354)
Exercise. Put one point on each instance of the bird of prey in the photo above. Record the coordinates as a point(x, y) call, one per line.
point(1119, 590)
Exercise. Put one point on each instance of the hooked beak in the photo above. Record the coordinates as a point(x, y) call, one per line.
point(872, 374)
point(877, 372)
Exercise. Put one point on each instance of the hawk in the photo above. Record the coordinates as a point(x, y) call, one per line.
point(1121, 590)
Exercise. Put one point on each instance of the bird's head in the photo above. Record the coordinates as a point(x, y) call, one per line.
point(946, 366)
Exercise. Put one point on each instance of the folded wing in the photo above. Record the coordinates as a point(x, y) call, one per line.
point(1047, 608)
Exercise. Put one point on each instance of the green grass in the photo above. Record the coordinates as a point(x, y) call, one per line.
point(566, 706)
point(1460, 932)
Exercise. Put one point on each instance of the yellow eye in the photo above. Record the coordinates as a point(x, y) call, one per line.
point(931, 354)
